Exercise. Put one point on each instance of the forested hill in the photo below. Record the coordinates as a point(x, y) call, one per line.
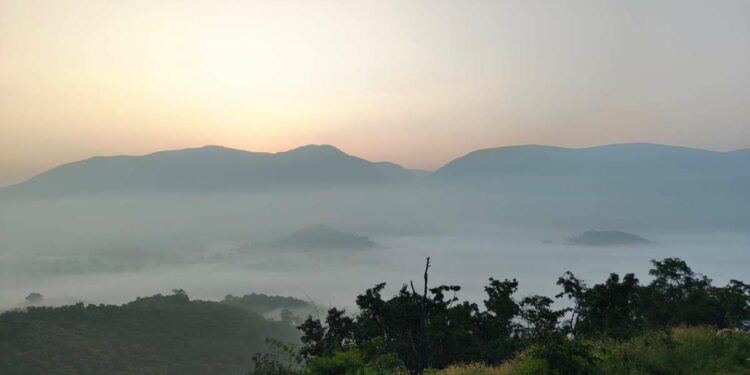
point(154, 335)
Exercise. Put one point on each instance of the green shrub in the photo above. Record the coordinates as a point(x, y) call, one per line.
point(683, 351)
point(350, 362)
point(696, 350)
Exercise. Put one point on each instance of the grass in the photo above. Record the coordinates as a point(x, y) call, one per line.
point(684, 351)
point(696, 350)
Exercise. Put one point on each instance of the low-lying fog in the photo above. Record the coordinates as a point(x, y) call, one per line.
point(114, 249)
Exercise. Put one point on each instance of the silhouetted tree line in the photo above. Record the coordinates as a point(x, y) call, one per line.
point(433, 329)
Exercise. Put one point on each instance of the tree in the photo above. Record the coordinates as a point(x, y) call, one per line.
point(678, 296)
point(574, 289)
point(541, 320)
point(339, 328)
point(734, 301)
point(312, 337)
point(496, 323)
point(612, 309)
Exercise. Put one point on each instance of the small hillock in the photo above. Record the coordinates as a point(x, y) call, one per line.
point(319, 237)
point(606, 238)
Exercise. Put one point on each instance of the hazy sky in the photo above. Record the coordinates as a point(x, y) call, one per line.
point(415, 82)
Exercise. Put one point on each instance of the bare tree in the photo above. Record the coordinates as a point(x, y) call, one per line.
point(422, 351)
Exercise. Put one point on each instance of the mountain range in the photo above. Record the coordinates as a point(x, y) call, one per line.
point(212, 169)
point(221, 169)
point(611, 160)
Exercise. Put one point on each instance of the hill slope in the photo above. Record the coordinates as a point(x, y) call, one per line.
point(211, 169)
point(607, 238)
point(154, 335)
point(620, 160)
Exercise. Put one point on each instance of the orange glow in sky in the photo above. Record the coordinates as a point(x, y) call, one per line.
point(414, 82)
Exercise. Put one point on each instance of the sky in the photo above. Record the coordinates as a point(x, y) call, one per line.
point(414, 82)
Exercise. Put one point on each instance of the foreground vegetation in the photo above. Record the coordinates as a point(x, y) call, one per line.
point(617, 327)
point(678, 323)
point(694, 350)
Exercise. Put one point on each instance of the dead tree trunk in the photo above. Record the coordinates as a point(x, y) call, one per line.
point(423, 350)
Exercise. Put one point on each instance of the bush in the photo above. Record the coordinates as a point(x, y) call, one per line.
point(684, 351)
point(563, 356)
point(349, 362)
point(696, 350)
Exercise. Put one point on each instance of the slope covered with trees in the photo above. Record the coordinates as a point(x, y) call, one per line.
point(154, 335)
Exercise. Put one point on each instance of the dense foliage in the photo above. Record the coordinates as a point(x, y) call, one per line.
point(155, 335)
point(620, 326)
point(681, 351)
point(416, 331)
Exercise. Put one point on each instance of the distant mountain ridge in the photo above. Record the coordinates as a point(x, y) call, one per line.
point(212, 169)
point(607, 160)
point(221, 169)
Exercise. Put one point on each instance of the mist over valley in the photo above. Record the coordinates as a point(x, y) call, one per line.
point(317, 223)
